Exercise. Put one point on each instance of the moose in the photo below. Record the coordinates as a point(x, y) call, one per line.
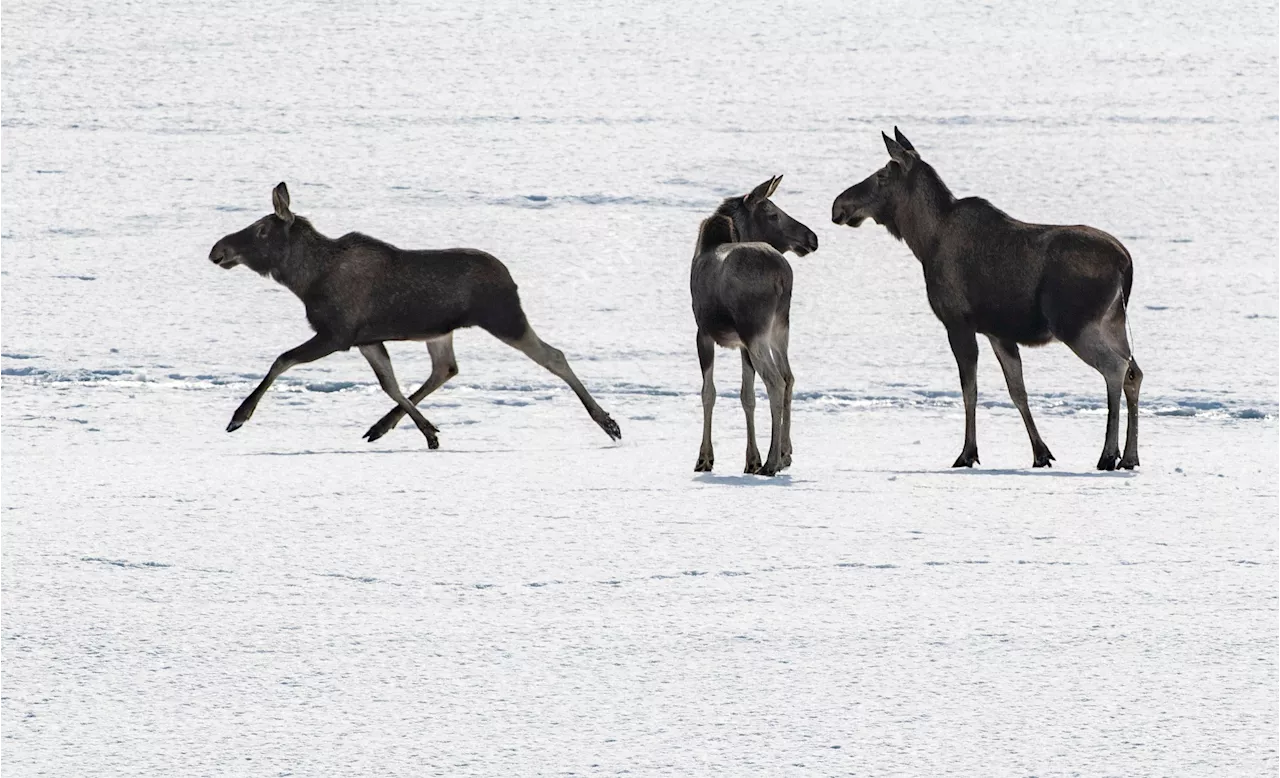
point(359, 291)
point(741, 287)
point(1017, 283)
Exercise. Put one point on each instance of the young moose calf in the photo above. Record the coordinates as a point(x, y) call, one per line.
point(741, 287)
point(986, 272)
point(359, 291)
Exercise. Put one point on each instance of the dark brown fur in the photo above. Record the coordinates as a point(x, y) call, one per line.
point(359, 291)
point(988, 273)
point(741, 289)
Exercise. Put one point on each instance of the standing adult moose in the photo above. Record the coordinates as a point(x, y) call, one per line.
point(741, 287)
point(986, 272)
point(359, 291)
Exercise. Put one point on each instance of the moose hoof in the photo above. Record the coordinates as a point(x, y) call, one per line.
point(1108, 461)
point(429, 432)
point(967, 459)
point(610, 427)
point(753, 463)
point(1128, 463)
point(378, 430)
point(1044, 459)
point(786, 461)
point(704, 465)
point(769, 469)
point(235, 424)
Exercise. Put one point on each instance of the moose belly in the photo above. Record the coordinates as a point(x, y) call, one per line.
point(728, 339)
point(1023, 325)
point(415, 326)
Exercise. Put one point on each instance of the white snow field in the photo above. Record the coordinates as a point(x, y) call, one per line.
point(533, 599)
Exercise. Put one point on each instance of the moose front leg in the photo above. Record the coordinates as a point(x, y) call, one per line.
point(318, 347)
point(443, 367)
point(1011, 363)
point(380, 361)
point(964, 345)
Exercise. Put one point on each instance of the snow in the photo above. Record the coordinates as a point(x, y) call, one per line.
point(533, 599)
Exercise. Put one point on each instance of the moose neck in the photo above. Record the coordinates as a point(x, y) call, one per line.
point(305, 259)
point(918, 220)
point(736, 210)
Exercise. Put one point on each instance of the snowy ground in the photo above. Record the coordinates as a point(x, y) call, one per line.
point(533, 599)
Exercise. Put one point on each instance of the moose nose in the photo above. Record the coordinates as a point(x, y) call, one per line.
point(217, 253)
point(837, 213)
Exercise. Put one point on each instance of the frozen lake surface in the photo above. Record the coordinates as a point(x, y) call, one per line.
point(532, 599)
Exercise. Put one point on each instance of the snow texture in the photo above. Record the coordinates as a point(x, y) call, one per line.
point(533, 599)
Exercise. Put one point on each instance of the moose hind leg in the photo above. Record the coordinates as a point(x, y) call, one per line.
point(553, 360)
point(1132, 384)
point(443, 367)
point(774, 384)
point(1111, 446)
point(1011, 363)
point(707, 361)
point(748, 396)
point(964, 346)
point(1103, 352)
point(376, 353)
point(781, 337)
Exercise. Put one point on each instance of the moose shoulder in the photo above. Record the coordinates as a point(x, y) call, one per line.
point(1017, 283)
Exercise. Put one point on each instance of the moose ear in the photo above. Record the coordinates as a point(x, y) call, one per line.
point(897, 153)
point(773, 187)
point(902, 140)
point(280, 201)
point(763, 191)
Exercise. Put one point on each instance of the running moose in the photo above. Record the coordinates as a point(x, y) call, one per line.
point(359, 291)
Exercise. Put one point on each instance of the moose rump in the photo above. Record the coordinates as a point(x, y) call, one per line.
point(752, 298)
